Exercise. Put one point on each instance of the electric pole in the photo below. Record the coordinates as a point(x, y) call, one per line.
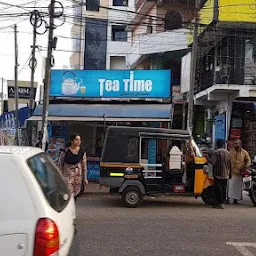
point(48, 65)
point(184, 115)
point(193, 68)
point(34, 21)
point(2, 98)
point(16, 83)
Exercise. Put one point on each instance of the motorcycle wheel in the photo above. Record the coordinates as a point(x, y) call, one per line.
point(252, 193)
point(209, 196)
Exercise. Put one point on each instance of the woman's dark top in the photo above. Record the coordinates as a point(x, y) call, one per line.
point(73, 159)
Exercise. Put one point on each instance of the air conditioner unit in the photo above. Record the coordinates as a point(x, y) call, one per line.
point(209, 115)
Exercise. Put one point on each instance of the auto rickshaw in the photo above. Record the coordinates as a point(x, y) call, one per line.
point(140, 161)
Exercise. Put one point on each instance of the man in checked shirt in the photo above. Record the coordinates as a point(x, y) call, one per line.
point(221, 172)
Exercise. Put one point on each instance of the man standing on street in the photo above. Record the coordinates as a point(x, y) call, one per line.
point(221, 172)
point(240, 160)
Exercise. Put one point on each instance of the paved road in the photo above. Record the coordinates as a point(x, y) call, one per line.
point(176, 227)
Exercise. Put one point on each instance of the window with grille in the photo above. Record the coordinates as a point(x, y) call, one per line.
point(120, 2)
point(119, 33)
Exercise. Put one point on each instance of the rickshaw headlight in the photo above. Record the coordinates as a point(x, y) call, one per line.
point(206, 169)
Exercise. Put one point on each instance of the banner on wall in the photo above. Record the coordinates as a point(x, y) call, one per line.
point(220, 127)
point(111, 83)
point(152, 151)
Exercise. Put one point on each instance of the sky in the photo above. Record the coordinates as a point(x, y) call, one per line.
point(25, 38)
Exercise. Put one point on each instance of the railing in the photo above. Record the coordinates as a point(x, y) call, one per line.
point(206, 79)
point(150, 171)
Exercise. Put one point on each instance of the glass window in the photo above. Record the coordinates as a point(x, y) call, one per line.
point(120, 148)
point(119, 34)
point(149, 29)
point(173, 20)
point(50, 180)
point(120, 2)
point(133, 147)
point(93, 5)
point(150, 26)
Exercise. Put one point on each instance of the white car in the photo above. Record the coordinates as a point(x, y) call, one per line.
point(37, 211)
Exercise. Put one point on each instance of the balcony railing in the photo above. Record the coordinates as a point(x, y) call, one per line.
point(243, 76)
point(168, 41)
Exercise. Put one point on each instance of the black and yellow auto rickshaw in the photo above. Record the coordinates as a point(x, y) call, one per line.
point(139, 161)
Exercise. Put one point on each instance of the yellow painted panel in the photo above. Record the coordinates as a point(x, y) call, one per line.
point(237, 10)
point(200, 178)
point(200, 160)
point(206, 13)
point(205, 18)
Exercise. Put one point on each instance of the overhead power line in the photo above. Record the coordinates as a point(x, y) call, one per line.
point(20, 5)
point(12, 5)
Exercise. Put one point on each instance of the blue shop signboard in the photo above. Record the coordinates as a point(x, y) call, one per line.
point(111, 83)
point(93, 170)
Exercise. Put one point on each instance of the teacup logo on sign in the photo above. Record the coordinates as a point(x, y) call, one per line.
point(130, 86)
point(71, 84)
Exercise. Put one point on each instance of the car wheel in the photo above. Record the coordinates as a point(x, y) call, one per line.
point(209, 196)
point(132, 197)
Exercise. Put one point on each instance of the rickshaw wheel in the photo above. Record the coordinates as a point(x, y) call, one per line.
point(132, 197)
point(209, 196)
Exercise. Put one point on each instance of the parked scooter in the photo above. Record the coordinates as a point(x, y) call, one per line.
point(249, 182)
point(204, 143)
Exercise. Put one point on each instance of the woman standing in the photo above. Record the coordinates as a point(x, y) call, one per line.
point(72, 163)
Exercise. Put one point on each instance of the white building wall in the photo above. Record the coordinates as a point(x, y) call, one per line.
point(119, 15)
point(123, 13)
point(116, 15)
point(117, 62)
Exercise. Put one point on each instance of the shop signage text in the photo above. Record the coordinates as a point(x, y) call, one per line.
point(111, 83)
point(129, 85)
point(23, 92)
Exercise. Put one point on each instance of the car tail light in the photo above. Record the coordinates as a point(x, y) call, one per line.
point(46, 238)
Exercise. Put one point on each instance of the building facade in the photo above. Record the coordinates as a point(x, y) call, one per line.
point(225, 77)
point(159, 41)
point(88, 101)
point(23, 94)
point(100, 39)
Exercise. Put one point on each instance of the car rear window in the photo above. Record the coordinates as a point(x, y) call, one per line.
point(50, 180)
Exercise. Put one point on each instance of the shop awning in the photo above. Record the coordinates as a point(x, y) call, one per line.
point(107, 112)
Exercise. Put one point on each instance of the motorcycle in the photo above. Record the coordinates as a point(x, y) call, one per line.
point(205, 144)
point(249, 183)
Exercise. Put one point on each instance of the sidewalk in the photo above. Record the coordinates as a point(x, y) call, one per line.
point(95, 189)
